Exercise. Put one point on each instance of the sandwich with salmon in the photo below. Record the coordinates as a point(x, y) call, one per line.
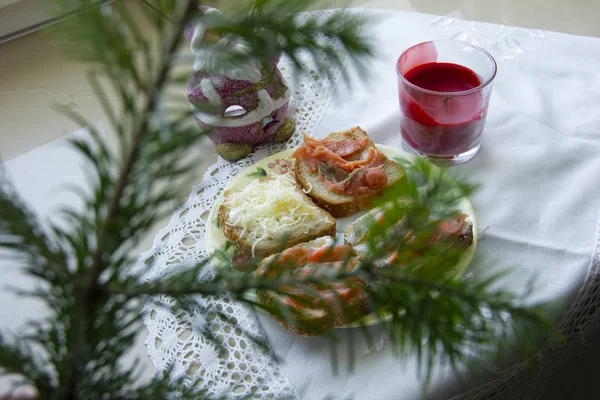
point(455, 232)
point(314, 308)
point(344, 172)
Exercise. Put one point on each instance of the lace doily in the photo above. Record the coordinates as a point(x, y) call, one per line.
point(238, 367)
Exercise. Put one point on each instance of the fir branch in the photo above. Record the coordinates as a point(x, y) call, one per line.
point(273, 27)
point(422, 300)
point(90, 294)
point(17, 358)
point(156, 10)
point(137, 139)
point(83, 263)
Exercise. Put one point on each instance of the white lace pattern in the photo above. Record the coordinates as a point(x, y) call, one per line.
point(239, 367)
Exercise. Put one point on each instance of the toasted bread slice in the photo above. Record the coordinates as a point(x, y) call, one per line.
point(459, 231)
point(305, 315)
point(271, 238)
point(340, 204)
point(355, 235)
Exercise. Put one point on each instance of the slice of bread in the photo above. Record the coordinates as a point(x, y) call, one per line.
point(306, 317)
point(356, 234)
point(340, 204)
point(320, 223)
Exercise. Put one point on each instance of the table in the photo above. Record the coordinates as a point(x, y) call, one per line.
point(560, 145)
point(539, 166)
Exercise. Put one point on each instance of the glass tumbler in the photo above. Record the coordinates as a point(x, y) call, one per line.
point(444, 89)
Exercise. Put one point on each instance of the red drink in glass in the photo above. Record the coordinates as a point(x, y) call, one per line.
point(444, 103)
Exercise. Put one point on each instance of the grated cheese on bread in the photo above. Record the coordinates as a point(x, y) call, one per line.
point(271, 214)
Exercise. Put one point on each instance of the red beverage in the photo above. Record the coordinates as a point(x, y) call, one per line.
point(443, 103)
point(443, 77)
point(442, 125)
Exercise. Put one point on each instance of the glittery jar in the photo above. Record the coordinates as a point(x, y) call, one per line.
point(242, 106)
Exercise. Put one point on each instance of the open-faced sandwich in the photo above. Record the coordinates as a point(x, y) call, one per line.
point(270, 214)
point(344, 172)
point(312, 309)
point(283, 221)
point(456, 232)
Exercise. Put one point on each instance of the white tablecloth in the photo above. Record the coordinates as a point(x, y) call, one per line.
point(540, 170)
point(539, 166)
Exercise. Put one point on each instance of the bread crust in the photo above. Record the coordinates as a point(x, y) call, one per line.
point(344, 205)
point(311, 321)
point(244, 246)
point(319, 324)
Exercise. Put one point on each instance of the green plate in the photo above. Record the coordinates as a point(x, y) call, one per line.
point(280, 163)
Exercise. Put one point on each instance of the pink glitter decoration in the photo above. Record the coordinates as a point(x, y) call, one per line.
point(248, 104)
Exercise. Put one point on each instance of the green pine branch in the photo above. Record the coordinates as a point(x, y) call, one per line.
point(281, 31)
point(83, 262)
point(424, 302)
